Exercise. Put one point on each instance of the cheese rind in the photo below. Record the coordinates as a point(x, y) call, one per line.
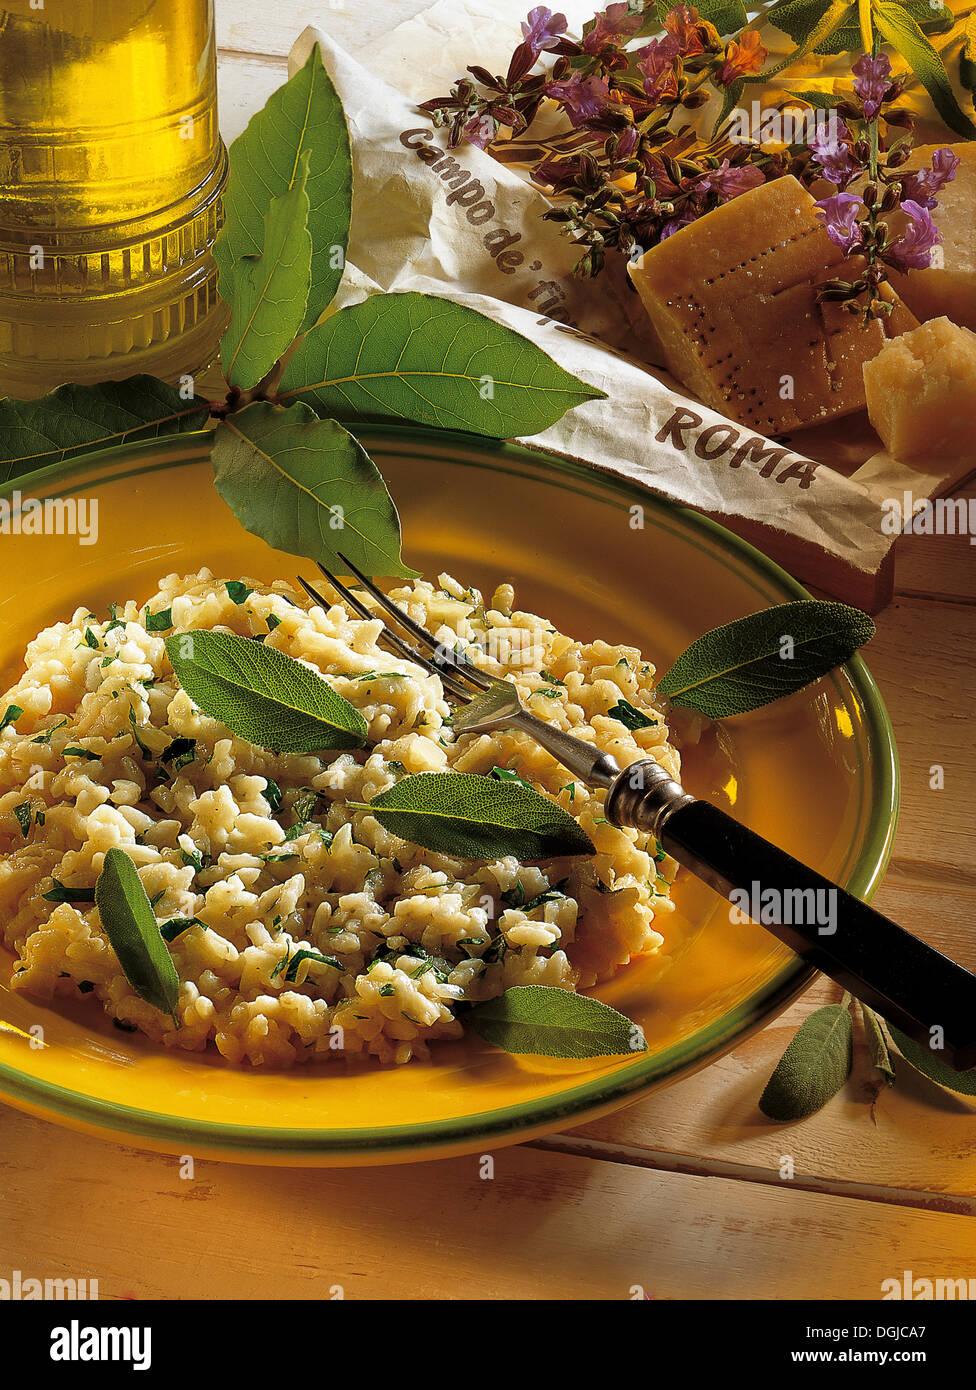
point(921, 393)
point(733, 298)
point(949, 288)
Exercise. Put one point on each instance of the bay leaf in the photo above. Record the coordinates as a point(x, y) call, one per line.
point(813, 1068)
point(547, 1022)
point(304, 116)
point(417, 357)
point(263, 695)
point(270, 291)
point(764, 656)
point(78, 419)
point(474, 817)
point(306, 486)
point(129, 923)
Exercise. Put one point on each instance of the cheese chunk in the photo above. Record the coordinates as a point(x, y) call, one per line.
point(733, 298)
point(949, 288)
point(921, 393)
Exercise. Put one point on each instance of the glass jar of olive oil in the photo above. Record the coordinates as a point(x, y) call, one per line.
point(111, 169)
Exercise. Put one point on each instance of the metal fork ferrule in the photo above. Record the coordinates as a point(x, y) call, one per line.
point(644, 796)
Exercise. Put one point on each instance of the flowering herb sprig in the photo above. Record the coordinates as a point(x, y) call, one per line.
point(868, 145)
point(625, 172)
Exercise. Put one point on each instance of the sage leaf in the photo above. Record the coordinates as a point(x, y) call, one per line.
point(474, 817)
point(416, 357)
point(824, 101)
point(754, 660)
point(550, 1022)
point(730, 102)
point(77, 419)
point(798, 19)
point(927, 1061)
point(130, 925)
point(897, 27)
point(306, 486)
point(877, 1044)
point(262, 694)
point(270, 291)
point(304, 116)
point(813, 1068)
point(967, 58)
point(728, 16)
point(821, 26)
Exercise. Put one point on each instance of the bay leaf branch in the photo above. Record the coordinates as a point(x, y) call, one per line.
point(418, 357)
point(270, 291)
point(76, 420)
point(306, 486)
point(303, 117)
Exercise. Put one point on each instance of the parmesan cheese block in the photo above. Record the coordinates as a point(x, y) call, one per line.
point(921, 393)
point(733, 298)
point(949, 288)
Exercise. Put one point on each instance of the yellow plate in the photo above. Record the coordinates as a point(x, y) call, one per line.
point(817, 773)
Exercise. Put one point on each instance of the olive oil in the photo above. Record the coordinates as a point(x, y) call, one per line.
point(111, 169)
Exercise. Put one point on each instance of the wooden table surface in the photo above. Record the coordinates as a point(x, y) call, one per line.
point(678, 1196)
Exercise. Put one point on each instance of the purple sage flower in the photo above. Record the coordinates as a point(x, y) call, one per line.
point(871, 78)
point(481, 130)
point(657, 61)
point(913, 249)
point(686, 216)
point(559, 173)
point(830, 148)
point(542, 30)
point(583, 99)
point(615, 23)
point(626, 144)
point(839, 216)
point(683, 24)
point(728, 181)
point(924, 186)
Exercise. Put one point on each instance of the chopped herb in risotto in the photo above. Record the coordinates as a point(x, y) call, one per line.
point(298, 926)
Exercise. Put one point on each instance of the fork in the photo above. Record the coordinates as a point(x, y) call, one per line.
point(915, 987)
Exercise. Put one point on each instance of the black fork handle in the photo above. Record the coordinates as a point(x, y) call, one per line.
point(908, 982)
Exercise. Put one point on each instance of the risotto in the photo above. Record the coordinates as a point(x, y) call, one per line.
point(264, 850)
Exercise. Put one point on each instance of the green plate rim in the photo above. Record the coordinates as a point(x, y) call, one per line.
point(575, 1102)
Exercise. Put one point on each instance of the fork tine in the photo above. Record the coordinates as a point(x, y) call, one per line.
point(456, 689)
point(464, 668)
